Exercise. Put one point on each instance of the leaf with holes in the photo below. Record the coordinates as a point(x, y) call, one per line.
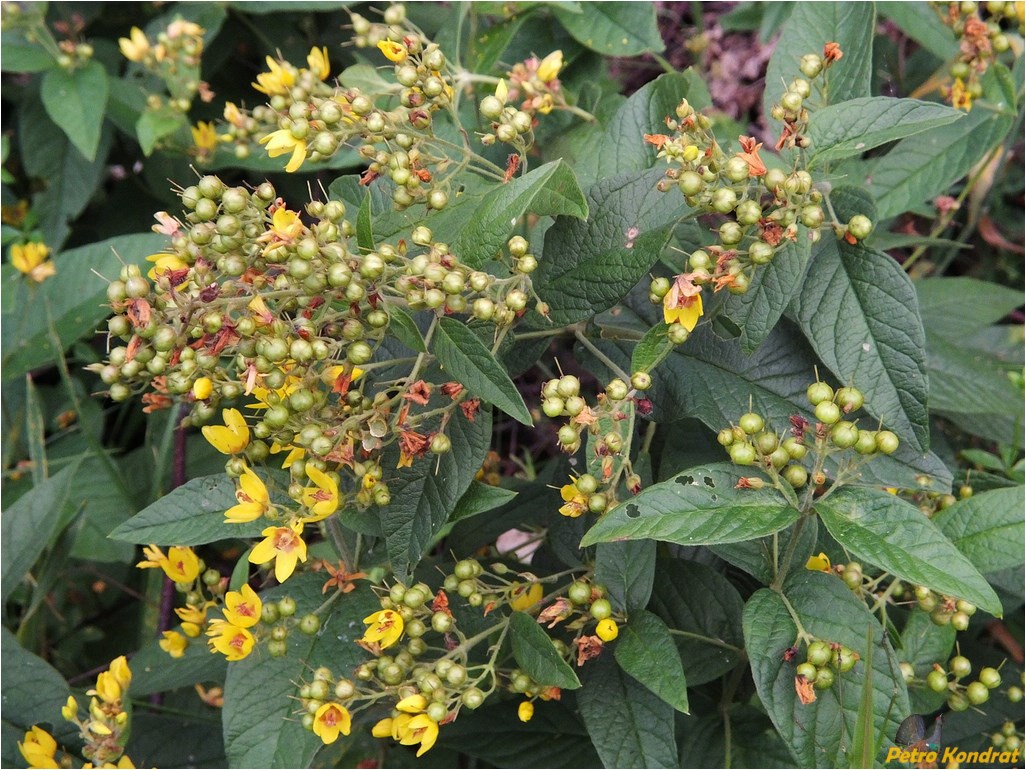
point(700, 506)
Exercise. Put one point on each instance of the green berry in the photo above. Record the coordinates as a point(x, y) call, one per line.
point(824, 679)
point(579, 593)
point(844, 434)
point(818, 654)
point(849, 399)
point(860, 226)
point(960, 666)
point(796, 476)
point(827, 412)
point(641, 380)
point(751, 423)
point(958, 702)
point(819, 392)
point(286, 606)
point(310, 624)
point(990, 677)
point(601, 609)
point(887, 442)
point(742, 454)
point(977, 693)
point(937, 681)
point(808, 670)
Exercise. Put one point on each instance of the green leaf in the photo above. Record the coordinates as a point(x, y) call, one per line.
point(547, 190)
point(809, 28)
point(535, 654)
point(702, 604)
point(364, 225)
point(488, 46)
point(965, 380)
point(988, 528)
point(858, 309)
point(29, 524)
point(260, 728)
point(192, 514)
point(76, 102)
point(366, 77)
point(466, 359)
point(20, 55)
point(614, 28)
point(34, 691)
point(955, 308)
point(479, 498)
point(646, 652)
point(627, 570)
point(588, 266)
point(154, 125)
point(884, 530)
point(423, 498)
point(553, 738)
point(851, 128)
point(629, 725)
point(153, 670)
point(771, 290)
point(756, 557)
point(405, 329)
point(651, 349)
point(920, 22)
point(925, 166)
point(819, 734)
point(697, 507)
point(67, 178)
point(75, 297)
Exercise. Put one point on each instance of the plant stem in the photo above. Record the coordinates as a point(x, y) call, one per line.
point(339, 541)
point(601, 356)
point(707, 640)
point(792, 544)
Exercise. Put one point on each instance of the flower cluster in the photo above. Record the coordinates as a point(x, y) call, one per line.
point(104, 730)
point(425, 665)
point(173, 57)
point(981, 29)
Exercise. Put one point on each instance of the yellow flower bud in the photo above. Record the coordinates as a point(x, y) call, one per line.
point(202, 388)
point(525, 711)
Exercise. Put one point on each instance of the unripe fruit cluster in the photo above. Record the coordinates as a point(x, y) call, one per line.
point(983, 31)
point(749, 443)
point(830, 407)
point(962, 696)
point(762, 208)
point(824, 662)
point(945, 610)
point(1008, 738)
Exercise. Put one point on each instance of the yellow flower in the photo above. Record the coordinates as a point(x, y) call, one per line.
point(233, 642)
point(193, 617)
point(282, 141)
point(525, 711)
point(412, 704)
point(384, 627)
point(322, 500)
point(526, 599)
point(164, 263)
point(575, 502)
point(820, 563)
point(136, 46)
point(330, 720)
point(204, 136)
point(39, 748)
point(254, 500)
point(383, 728)
point(242, 608)
point(31, 259)
point(278, 81)
point(394, 52)
point(421, 729)
point(683, 303)
point(607, 630)
point(550, 66)
point(294, 453)
point(202, 388)
point(286, 225)
point(120, 671)
point(231, 438)
point(181, 563)
point(107, 687)
point(284, 546)
point(960, 97)
point(70, 709)
point(174, 644)
point(317, 61)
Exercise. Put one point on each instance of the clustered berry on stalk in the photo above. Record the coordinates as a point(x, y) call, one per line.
point(981, 29)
